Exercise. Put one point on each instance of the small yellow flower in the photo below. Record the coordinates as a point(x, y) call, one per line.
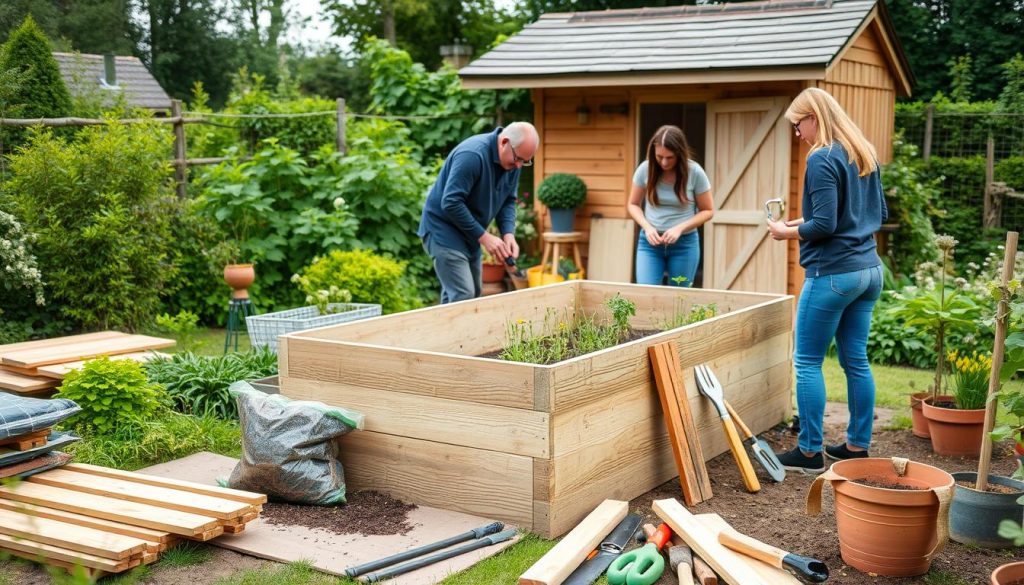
point(520, 321)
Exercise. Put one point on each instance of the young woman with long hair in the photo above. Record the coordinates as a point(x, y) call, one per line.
point(670, 199)
point(843, 207)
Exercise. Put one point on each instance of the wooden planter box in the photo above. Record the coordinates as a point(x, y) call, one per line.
point(537, 446)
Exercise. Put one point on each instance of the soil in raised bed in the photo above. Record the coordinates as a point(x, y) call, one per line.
point(634, 334)
point(776, 515)
point(367, 512)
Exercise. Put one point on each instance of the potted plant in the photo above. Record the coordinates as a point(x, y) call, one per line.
point(562, 193)
point(491, 270)
point(936, 312)
point(956, 426)
point(1010, 573)
point(568, 270)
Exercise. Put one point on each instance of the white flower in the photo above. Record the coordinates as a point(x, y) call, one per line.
point(339, 201)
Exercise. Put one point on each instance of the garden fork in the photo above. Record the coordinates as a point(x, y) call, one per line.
point(709, 386)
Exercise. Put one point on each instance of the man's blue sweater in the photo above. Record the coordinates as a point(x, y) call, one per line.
point(842, 212)
point(471, 190)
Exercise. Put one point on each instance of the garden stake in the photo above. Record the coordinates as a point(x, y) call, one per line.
point(421, 550)
point(1002, 315)
point(445, 554)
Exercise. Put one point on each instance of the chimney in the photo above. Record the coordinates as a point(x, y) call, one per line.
point(109, 71)
point(456, 55)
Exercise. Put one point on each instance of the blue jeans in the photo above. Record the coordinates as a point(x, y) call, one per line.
point(836, 306)
point(678, 259)
point(460, 276)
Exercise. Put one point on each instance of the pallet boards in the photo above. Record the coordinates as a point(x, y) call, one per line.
point(109, 521)
point(37, 367)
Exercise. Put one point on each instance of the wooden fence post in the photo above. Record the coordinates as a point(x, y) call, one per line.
point(341, 126)
point(929, 120)
point(990, 217)
point(180, 166)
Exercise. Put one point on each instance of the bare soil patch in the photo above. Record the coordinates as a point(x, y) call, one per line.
point(776, 515)
point(366, 513)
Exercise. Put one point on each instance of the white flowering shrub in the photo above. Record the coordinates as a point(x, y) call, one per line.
point(18, 265)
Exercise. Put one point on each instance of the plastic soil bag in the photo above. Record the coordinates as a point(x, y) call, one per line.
point(289, 450)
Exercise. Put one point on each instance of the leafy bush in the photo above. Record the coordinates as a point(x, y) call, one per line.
point(17, 264)
point(369, 277)
point(41, 92)
point(910, 197)
point(106, 192)
point(162, 437)
point(111, 393)
point(199, 384)
point(183, 326)
point(562, 191)
point(200, 252)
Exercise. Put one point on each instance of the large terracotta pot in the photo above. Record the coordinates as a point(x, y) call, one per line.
point(954, 432)
point(239, 277)
point(888, 531)
point(492, 272)
point(1008, 574)
point(918, 421)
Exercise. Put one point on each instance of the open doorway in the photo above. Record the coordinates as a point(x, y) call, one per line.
point(692, 119)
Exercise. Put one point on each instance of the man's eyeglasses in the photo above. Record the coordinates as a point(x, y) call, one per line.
point(517, 159)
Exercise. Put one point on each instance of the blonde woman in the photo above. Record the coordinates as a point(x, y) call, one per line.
point(843, 207)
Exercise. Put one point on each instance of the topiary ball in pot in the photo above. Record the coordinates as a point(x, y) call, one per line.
point(562, 193)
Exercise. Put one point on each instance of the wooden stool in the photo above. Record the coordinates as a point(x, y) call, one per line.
point(552, 241)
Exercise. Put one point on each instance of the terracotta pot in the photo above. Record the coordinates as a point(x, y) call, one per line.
point(919, 422)
point(239, 277)
point(954, 432)
point(892, 532)
point(1008, 574)
point(492, 272)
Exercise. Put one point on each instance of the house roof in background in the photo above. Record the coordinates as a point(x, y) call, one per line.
point(83, 73)
point(773, 34)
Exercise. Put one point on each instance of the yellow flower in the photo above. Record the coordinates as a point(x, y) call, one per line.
point(520, 321)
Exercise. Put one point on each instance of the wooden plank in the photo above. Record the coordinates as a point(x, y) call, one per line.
point(564, 557)
point(33, 358)
point(58, 371)
point(485, 483)
point(147, 516)
point(155, 536)
point(188, 486)
point(25, 384)
point(31, 372)
point(771, 575)
point(689, 456)
point(58, 556)
point(69, 536)
point(58, 341)
point(612, 249)
point(26, 441)
point(498, 428)
point(143, 494)
point(724, 561)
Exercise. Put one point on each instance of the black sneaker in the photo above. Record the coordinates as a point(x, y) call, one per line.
point(841, 452)
point(795, 460)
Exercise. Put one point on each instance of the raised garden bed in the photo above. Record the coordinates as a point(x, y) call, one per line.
point(535, 445)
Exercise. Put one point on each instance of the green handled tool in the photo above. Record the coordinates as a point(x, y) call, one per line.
point(641, 566)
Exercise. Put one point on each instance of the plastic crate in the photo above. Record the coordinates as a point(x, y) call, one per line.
point(264, 329)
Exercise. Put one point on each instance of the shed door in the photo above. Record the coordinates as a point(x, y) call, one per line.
point(748, 148)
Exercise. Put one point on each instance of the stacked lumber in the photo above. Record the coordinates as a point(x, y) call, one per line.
point(108, 521)
point(37, 367)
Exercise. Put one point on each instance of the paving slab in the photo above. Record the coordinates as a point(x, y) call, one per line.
point(328, 551)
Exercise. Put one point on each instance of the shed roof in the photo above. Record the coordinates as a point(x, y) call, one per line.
point(797, 35)
point(83, 73)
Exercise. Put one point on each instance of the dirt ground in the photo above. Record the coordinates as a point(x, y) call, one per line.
point(776, 514)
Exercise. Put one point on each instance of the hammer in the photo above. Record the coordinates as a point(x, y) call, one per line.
point(684, 564)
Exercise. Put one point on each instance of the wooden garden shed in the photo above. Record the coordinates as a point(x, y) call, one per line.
point(603, 81)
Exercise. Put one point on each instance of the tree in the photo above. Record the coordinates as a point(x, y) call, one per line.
point(961, 79)
point(41, 92)
point(1012, 96)
point(422, 27)
point(259, 26)
point(100, 26)
point(13, 13)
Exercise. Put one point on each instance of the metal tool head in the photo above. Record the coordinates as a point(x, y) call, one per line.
point(768, 459)
point(805, 569)
point(709, 386)
point(775, 209)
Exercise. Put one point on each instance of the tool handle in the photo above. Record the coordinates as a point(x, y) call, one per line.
point(751, 547)
point(661, 536)
point(739, 422)
point(740, 455)
point(685, 574)
point(704, 573)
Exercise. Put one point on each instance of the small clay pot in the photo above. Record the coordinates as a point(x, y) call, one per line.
point(1008, 574)
point(239, 277)
point(954, 432)
point(919, 424)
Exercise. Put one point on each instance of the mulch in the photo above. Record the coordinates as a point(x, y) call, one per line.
point(366, 512)
point(776, 514)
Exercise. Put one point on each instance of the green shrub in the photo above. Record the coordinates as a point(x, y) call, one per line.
point(910, 197)
point(41, 92)
point(111, 393)
point(370, 278)
point(199, 384)
point(562, 191)
point(183, 326)
point(17, 264)
point(107, 192)
point(200, 252)
point(162, 437)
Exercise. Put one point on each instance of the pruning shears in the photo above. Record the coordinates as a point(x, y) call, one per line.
point(641, 566)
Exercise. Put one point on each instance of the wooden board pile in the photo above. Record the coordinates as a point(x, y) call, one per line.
point(107, 521)
point(36, 367)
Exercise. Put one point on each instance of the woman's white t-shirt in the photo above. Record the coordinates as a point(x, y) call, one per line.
point(670, 211)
